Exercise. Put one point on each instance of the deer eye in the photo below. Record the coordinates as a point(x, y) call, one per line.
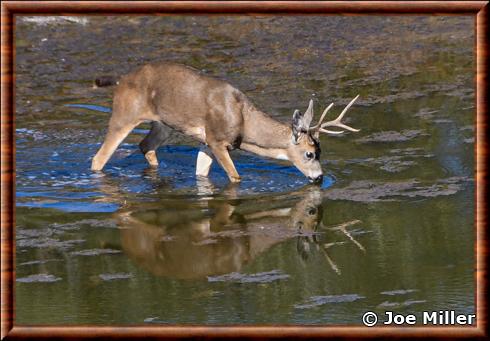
point(309, 155)
point(312, 211)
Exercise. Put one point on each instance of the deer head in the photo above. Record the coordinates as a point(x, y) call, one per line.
point(305, 139)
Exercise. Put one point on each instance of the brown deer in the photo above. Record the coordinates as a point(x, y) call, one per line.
point(214, 113)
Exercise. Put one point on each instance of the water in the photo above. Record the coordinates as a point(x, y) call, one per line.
point(391, 227)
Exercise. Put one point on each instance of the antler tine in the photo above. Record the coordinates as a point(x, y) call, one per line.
point(337, 123)
point(330, 131)
point(322, 117)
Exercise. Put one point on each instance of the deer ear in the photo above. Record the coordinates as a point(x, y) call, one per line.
point(298, 119)
point(297, 126)
point(302, 121)
point(308, 116)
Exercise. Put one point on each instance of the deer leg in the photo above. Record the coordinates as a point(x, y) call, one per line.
point(221, 153)
point(204, 162)
point(115, 135)
point(158, 134)
point(129, 109)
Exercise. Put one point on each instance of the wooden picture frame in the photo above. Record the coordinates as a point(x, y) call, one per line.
point(478, 9)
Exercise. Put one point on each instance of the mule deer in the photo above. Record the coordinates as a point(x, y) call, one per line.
point(214, 113)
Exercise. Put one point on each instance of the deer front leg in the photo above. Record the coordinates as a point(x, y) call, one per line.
point(221, 153)
point(204, 162)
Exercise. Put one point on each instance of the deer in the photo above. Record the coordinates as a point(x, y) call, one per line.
point(213, 112)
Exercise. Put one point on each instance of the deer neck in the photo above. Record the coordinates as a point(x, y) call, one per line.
point(265, 136)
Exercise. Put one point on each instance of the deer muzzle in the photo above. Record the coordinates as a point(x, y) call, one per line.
point(317, 180)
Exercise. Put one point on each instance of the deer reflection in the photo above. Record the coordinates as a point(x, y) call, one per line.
point(210, 237)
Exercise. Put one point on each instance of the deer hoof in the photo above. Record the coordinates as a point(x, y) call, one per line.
point(235, 179)
point(95, 166)
point(151, 157)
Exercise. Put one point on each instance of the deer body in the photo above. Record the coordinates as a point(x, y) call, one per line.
point(209, 110)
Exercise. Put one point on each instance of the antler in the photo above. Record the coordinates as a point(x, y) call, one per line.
point(320, 127)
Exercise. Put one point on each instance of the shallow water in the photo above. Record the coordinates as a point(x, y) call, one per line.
point(390, 228)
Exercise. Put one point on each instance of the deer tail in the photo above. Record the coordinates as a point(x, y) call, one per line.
point(105, 81)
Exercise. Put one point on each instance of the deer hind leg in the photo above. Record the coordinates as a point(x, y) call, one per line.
point(115, 135)
point(157, 136)
point(128, 111)
point(221, 153)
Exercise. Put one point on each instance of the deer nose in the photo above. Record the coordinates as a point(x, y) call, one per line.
point(316, 180)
